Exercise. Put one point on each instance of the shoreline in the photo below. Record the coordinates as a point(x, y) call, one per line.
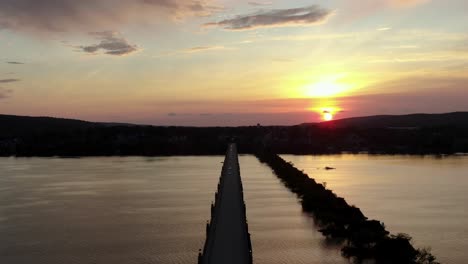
point(365, 239)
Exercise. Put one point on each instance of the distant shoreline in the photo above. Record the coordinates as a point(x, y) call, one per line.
point(438, 134)
point(241, 154)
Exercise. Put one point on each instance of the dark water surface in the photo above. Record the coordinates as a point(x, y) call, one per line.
point(425, 197)
point(136, 210)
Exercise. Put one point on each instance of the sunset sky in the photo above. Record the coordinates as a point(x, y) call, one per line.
point(184, 62)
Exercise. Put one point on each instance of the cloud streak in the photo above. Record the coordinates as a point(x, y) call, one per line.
point(85, 15)
point(255, 3)
point(203, 49)
point(9, 80)
point(275, 18)
point(15, 62)
point(5, 93)
point(195, 50)
point(112, 43)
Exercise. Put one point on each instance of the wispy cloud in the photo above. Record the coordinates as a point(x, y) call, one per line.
point(402, 47)
point(15, 62)
point(203, 49)
point(112, 43)
point(256, 3)
point(86, 15)
point(275, 18)
point(194, 50)
point(9, 80)
point(384, 28)
point(5, 93)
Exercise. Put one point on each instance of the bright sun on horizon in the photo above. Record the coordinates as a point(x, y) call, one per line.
point(327, 116)
point(326, 110)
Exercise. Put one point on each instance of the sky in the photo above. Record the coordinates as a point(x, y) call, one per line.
point(229, 63)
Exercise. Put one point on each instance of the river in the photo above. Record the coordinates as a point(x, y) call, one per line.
point(132, 210)
point(137, 210)
point(423, 196)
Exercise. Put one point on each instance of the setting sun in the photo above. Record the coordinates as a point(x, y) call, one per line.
point(327, 116)
point(326, 109)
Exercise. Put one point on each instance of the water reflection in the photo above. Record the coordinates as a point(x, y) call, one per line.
point(281, 232)
point(125, 210)
point(105, 210)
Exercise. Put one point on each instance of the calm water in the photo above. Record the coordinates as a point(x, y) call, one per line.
point(137, 210)
point(425, 197)
point(281, 233)
point(105, 210)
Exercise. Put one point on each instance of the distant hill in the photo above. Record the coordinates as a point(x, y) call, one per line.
point(400, 121)
point(11, 125)
point(46, 136)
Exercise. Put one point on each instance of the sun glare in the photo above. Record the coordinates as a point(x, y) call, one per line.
point(326, 109)
point(328, 86)
point(327, 116)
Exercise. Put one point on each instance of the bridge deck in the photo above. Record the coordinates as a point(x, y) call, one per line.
point(228, 240)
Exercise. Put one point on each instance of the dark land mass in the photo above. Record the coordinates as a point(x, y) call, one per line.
point(23, 126)
point(400, 121)
point(408, 134)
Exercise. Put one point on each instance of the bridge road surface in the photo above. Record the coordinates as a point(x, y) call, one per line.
point(228, 240)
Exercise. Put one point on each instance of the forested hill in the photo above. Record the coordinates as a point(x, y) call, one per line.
point(410, 134)
point(11, 125)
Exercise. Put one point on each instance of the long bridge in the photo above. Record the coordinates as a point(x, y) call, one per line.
point(227, 235)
